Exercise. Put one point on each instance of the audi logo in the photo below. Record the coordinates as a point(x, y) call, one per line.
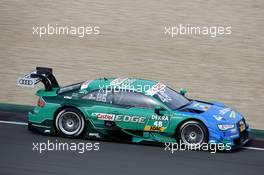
point(26, 82)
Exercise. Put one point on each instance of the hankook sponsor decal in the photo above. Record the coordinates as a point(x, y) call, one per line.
point(86, 84)
point(117, 81)
point(155, 89)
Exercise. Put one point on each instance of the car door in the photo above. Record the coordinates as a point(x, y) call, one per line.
point(98, 105)
point(136, 111)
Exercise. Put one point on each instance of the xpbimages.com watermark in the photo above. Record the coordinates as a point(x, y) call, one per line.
point(80, 147)
point(212, 147)
point(79, 31)
point(211, 31)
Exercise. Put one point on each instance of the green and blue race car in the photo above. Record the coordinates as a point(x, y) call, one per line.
point(129, 109)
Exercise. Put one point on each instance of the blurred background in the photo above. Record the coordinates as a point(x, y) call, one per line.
point(132, 43)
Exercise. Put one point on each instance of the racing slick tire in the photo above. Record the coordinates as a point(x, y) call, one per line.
point(70, 123)
point(193, 132)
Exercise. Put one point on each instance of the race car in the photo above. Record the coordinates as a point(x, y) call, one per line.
point(130, 109)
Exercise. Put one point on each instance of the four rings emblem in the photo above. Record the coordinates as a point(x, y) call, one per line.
point(26, 82)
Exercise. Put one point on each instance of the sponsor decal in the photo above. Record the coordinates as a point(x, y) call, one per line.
point(128, 82)
point(119, 118)
point(242, 126)
point(97, 135)
point(218, 117)
point(86, 84)
point(67, 97)
point(157, 117)
point(117, 81)
point(201, 106)
point(154, 128)
point(157, 123)
point(106, 117)
point(224, 111)
point(164, 97)
point(155, 89)
point(205, 108)
point(232, 114)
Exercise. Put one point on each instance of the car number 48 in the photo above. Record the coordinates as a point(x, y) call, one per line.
point(158, 123)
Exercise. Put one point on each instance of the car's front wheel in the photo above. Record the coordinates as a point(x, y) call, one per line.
point(70, 123)
point(193, 132)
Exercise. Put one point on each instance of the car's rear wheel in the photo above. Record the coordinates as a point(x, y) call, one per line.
point(70, 123)
point(193, 132)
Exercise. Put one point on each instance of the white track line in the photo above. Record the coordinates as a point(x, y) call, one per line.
point(254, 148)
point(21, 123)
point(14, 123)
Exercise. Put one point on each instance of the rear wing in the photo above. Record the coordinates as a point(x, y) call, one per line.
point(40, 74)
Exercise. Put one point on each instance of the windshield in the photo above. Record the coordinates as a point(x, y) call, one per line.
point(171, 98)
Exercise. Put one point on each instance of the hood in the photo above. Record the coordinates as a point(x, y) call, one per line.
point(215, 112)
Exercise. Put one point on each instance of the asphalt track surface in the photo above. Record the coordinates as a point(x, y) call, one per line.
point(17, 157)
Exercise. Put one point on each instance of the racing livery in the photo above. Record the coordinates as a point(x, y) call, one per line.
point(133, 110)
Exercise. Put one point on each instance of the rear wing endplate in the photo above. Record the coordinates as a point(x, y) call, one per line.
point(40, 74)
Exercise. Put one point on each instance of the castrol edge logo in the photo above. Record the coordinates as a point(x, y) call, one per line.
point(119, 118)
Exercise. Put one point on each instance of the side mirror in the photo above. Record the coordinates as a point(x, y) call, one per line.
point(183, 91)
point(161, 111)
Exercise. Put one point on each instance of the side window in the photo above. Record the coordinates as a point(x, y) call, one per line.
point(100, 96)
point(133, 99)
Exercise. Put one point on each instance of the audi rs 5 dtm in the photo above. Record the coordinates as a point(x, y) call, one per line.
point(129, 109)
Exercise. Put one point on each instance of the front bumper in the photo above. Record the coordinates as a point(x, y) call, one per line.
point(234, 140)
point(244, 138)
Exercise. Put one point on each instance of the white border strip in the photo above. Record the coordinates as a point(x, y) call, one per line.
point(14, 123)
point(254, 148)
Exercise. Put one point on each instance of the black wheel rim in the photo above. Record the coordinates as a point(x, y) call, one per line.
point(192, 134)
